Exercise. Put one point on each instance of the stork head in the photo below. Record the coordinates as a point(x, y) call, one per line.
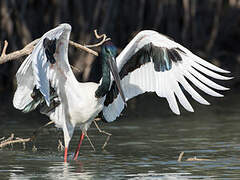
point(109, 50)
point(109, 53)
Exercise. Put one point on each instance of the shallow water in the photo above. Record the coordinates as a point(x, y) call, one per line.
point(145, 144)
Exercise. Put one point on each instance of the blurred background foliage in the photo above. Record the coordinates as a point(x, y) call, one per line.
point(209, 28)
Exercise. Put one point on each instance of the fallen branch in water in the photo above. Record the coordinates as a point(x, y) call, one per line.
point(192, 159)
point(197, 159)
point(12, 140)
point(180, 156)
point(60, 145)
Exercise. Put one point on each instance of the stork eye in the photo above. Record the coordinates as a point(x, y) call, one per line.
point(107, 50)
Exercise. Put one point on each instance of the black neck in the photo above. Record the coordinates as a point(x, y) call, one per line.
point(105, 84)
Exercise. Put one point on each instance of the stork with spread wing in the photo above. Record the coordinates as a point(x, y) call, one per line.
point(151, 62)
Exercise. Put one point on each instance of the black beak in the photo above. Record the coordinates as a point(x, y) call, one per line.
point(113, 68)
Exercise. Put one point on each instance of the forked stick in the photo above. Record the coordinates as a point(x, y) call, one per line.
point(104, 132)
point(104, 39)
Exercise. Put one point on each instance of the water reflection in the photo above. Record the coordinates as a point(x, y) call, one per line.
point(68, 171)
point(140, 148)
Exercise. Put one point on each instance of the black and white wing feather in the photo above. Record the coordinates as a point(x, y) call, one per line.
point(41, 76)
point(152, 62)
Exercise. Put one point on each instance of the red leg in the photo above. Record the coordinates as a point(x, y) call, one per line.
point(65, 154)
point(78, 148)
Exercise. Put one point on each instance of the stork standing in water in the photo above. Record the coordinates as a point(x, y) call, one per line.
point(151, 62)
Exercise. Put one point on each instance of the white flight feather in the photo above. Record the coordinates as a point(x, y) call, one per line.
point(166, 84)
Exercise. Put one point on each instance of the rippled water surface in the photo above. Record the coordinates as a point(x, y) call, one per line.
point(145, 144)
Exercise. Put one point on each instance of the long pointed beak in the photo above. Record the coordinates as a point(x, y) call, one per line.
point(113, 68)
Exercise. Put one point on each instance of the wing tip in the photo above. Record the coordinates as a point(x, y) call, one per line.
point(190, 110)
point(206, 103)
point(227, 78)
point(218, 95)
point(225, 71)
point(177, 113)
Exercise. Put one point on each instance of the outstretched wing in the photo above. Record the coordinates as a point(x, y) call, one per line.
point(41, 77)
point(152, 62)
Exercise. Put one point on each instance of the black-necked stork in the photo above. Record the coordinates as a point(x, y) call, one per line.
point(151, 62)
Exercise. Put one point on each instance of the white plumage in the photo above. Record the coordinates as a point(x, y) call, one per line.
point(165, 84)
point(78, 102)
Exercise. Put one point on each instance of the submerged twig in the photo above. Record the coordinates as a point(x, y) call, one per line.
point(180, 156)
point(12, 140)
point(90, 142)
point(60, 145)
point(198, 159)
point(23, 143)
point(192, 159)
point(34, 149)
point(104, 132)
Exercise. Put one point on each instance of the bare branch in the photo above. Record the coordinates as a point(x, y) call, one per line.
point(75, 68)
point(104, 39)
point(16, 54)
point(79, 46)
point(29, 48)
point(4, 48)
